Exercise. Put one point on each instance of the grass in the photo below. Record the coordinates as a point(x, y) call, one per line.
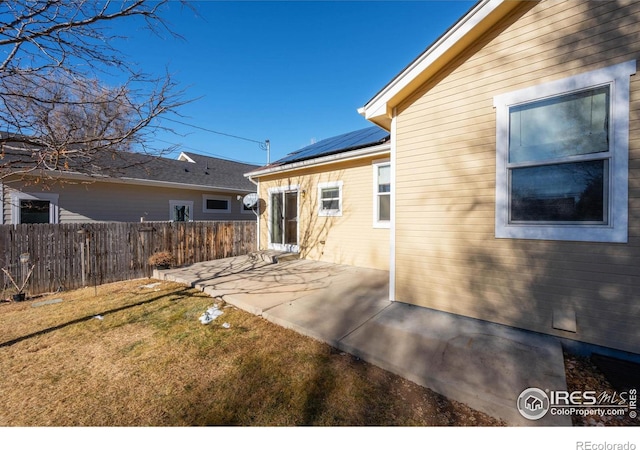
point(149, 362)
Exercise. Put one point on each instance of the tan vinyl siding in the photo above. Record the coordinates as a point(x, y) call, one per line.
point(348, 239)
point(446, 254)
point(116, 202)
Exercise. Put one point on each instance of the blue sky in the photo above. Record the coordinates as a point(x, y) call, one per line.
point(291, 72)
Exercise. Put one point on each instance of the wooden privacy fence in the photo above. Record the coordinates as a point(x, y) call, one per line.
point(69, 256)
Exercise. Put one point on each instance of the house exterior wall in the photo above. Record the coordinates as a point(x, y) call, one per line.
point(117, 202)
point(347, 239)
point(447, 255)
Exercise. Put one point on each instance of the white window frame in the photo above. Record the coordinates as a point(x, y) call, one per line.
point(376, 214)
point(17, 197)
point(330, 212)
point(174, 203)
point(225, 198)
point(616, 230)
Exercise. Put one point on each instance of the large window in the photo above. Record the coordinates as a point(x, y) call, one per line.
point(330, 199)
point(34, 208)
point(382, 194)
point(562, 158)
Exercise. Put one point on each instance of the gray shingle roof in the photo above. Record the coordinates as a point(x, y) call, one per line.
point(229, 173)
point(204, 171)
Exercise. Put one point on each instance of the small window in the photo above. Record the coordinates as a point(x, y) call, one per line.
point(330, 199)
point(562, 158)
point(34, 208)
point(382, 194)
point(35, 211)
point(180, 211)
point(216, 204)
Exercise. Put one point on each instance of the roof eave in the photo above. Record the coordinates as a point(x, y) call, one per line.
point(322, 160)
point(461, 35)
point(139, 181)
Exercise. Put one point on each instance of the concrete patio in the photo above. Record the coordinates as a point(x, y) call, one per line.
point(481, 364)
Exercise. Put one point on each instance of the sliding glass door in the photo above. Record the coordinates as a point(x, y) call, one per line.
point(283, 220)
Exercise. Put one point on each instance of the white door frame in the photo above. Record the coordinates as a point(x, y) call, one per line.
point(295, 248)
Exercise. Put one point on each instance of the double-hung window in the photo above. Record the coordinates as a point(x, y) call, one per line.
point(330, 198)
point(562, 158)
point(381, 194)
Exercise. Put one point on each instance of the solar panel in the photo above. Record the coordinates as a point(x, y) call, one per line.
point(337, 144)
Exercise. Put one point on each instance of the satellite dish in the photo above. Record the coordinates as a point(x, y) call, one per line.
point(251, 200)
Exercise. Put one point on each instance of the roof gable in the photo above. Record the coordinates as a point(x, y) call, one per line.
point(484, 15)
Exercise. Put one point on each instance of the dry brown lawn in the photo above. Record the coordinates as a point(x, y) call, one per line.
point(149, 362)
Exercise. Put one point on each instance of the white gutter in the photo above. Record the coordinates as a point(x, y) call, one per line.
point(392, 224)
point(323, 160)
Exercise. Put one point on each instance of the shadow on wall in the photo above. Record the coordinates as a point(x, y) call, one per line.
point(313, 230)
point(584, 291)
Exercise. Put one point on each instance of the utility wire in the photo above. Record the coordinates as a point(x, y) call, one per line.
point(207, 153)
point(213, 131)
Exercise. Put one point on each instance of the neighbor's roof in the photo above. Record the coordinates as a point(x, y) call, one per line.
point(203, 171)
point(229, 173)
point(347, 142)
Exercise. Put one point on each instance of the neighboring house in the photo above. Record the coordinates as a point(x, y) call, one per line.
point(128, 187)
point(515, 171)
point(329, 201)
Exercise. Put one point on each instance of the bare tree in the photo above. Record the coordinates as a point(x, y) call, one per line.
point(54, 111)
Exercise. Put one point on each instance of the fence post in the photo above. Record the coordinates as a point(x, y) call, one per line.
point(85, 257)
point(82, 263)
point(146, 234)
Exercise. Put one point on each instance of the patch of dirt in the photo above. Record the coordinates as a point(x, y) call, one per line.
point(584, 375)
point(424, 406)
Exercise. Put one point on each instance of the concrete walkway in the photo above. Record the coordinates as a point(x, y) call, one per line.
point(481, 364)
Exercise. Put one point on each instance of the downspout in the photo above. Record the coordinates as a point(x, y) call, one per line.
point(257, 183)
point(392, 225)
point(1, 203)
